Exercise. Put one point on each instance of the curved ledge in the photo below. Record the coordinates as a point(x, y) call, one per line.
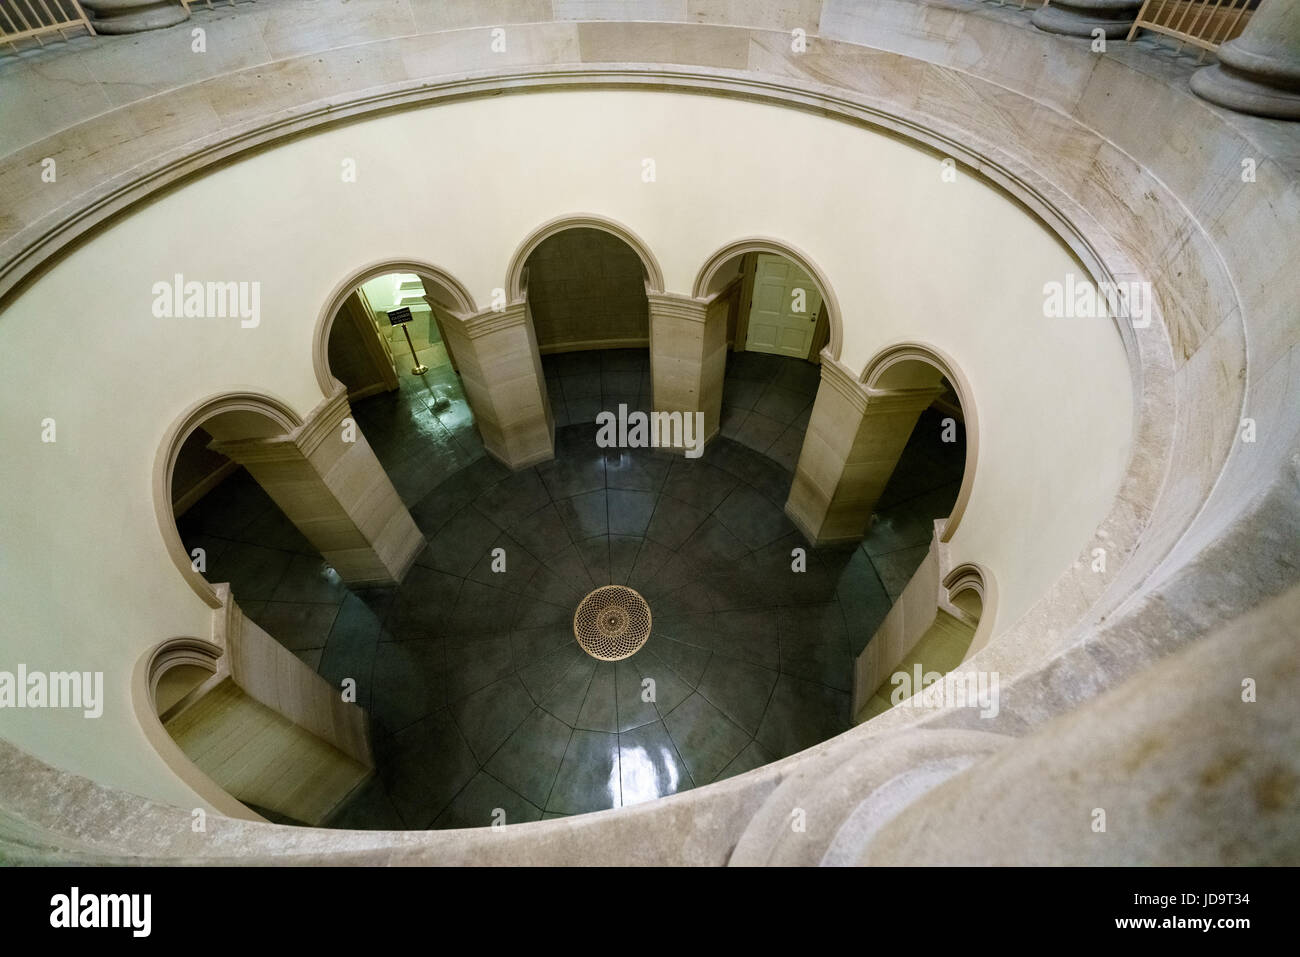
point(881, 781)
point(1115, 177)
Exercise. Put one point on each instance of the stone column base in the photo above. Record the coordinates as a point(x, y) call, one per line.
point(1225, 87)
point(134, 16)
point(1259, 71)
point(1080, 18)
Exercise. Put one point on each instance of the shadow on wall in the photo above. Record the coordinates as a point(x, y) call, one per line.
point(586, 290)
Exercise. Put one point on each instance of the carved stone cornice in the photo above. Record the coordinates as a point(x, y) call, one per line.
point(844, 381)
point(890, 401)
point(491, 321)
point(674, 306)
point(324, 419)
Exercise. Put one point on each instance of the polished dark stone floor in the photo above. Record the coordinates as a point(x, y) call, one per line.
point(482, 705)
point(766, 402)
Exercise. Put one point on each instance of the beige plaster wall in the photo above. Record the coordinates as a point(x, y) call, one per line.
point(956, 265)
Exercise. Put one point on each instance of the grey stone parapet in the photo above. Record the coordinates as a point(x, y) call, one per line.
point(134, 16)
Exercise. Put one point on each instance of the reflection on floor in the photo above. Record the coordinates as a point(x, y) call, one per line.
point(482, 706)
point(766, 403)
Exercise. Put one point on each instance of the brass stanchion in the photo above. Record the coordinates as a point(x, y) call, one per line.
point(400, 317)
point(419, 368)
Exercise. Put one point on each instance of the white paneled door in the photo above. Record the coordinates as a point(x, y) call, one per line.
point(783, 316)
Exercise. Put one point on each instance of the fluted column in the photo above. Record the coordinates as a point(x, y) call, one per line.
point(328, 482)
point(853, 443)
point(501, 370)
point(1079, 18)
point(688, 356)
point(1259, 71)
point(134, 16)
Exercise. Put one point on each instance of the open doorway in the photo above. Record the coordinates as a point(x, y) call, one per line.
point(386, 345)
point(587, 298)
point(233, 531)
point(923, 488)
point(777, 325)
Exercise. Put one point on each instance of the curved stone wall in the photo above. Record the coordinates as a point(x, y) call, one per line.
point(1140, 178)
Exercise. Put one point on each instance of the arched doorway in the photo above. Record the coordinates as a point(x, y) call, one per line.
point(585, 283)
point(188, 471)
point(294, 514)
point(265, 534)
point(859, 429)
point(780, 314)
point(943, 442)
point(386, 340)
point(516, 273)
point(953, 621)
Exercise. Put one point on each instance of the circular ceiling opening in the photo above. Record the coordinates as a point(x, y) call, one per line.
point(612, 623)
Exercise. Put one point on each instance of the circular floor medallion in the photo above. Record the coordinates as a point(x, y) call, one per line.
point(612, 623)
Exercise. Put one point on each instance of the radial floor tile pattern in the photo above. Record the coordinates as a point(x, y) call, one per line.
point(479, 683)
point(484, 708)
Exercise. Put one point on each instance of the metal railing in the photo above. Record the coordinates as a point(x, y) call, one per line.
point(37, 20)
point(23, 22)
point(1203, 23)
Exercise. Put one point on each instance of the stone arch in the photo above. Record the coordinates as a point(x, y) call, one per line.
point(180, 653)
point(515, 280)
point(969, 579)
point(455, 298)
point(149, 668)
point(235, 415)
point(758, 244)
point(916, 365)
point(965, 578)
